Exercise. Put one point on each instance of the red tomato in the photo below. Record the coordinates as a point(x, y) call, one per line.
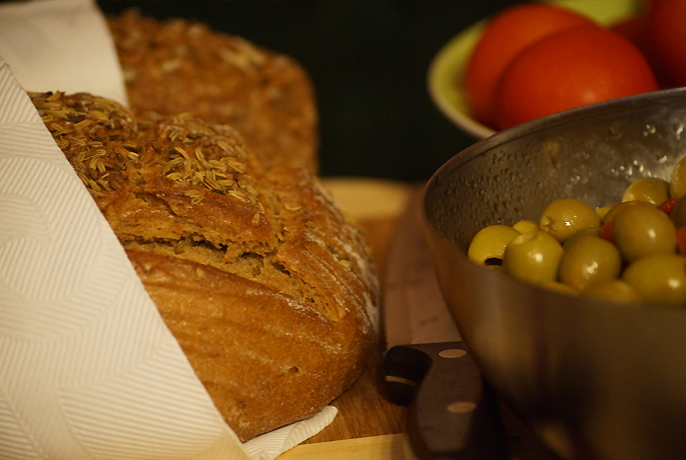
point(636, 30)
point(505, 36)
point(667, 33)
point(570, 69)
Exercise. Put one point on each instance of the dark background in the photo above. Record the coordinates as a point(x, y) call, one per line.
point(368, 61)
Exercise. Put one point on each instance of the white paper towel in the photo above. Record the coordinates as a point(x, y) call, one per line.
point(88, 369)
point(61, 44)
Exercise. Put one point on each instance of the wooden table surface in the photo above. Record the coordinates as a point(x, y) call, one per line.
point(368, 426)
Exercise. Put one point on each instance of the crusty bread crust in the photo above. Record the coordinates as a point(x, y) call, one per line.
point(269, 290)
point(177, 66)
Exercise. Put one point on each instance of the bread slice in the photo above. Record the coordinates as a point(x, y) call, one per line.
point(270, 291)
point(177, 66)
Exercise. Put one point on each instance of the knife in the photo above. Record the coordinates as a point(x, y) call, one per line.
point(452, 413)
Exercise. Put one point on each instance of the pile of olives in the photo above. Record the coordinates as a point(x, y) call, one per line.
point(632, 251)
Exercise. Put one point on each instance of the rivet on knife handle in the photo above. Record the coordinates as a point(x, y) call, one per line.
point(452, 414)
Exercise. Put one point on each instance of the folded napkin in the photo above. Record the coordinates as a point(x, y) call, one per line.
point(61, 45)
point(88, 368)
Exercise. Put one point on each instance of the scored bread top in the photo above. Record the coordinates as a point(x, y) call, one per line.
point(180, 186)
point(213, 232)
point(173, 66)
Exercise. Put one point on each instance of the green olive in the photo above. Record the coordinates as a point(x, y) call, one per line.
point(677, 182)
point(614, 210)
point(650, 189)
point(563, 217)
point(593, 231)
point(660, 278)
point(641, 229)
point(524, 226)
point(679, 213)
point(589, 260)
point(495, 267)
point(602, 211)
point(615, 290)
point(560, 288)
point(533, 257)
point(488, 245)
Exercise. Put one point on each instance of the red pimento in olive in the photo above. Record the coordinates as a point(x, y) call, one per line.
point(606, 232)
point(681, 240)
point(667, 206)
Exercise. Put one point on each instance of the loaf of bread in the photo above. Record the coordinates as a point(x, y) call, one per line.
point(177, 66)
point(268, 288)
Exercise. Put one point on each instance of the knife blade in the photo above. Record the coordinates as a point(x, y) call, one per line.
point(452, 413)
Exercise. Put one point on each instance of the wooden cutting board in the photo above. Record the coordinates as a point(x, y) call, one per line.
point(384, 447)
point(368, 426)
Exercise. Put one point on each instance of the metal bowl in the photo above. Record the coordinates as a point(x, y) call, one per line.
point(595, 379)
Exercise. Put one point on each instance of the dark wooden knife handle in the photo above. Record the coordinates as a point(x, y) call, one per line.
point(452, 413)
